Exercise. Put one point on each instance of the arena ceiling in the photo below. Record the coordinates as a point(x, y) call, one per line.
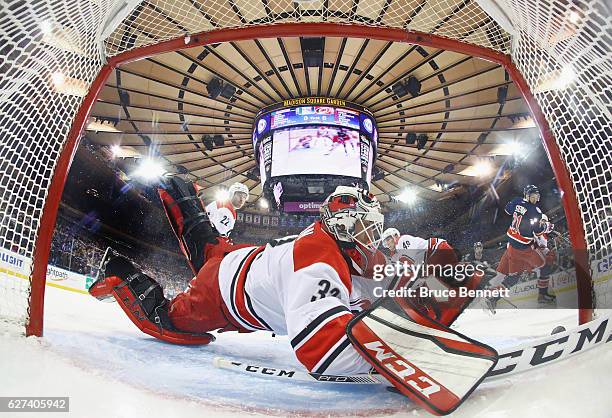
point(468, 107)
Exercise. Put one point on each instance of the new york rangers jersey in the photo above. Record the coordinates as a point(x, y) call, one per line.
point(525, 224)
point(301, 288)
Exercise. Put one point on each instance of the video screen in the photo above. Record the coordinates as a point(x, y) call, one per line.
point(308, 115)
point(316, 150)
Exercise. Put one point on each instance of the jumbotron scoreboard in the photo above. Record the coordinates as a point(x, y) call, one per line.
point(303, 145)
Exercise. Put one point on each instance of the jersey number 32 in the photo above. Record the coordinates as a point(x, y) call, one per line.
point(324, 291)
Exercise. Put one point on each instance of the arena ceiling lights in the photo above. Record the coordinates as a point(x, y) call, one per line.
point(455, 109)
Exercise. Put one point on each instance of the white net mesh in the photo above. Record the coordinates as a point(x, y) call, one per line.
point(51, 52)
point(48, 59)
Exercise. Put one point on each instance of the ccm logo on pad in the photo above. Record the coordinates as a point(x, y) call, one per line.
point(399, 367)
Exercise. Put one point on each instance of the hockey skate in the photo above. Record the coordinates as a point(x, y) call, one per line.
point(491, 305)
point(188, 220)
point(546, 298)
point(142, 299)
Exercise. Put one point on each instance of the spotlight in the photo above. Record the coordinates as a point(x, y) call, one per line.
point(58, 79)
point(207, 141)
point(214, 87)
point(116, 150)
point(218, 140)
point(222, 195)
point(263, 203)
point(411, 138)
point(567, 76)
point(413, 86)
point(46, 27)
point(399, 89)
point(408, 196)
point(517, 149)
point(228, 91)
point(556, 80)
point(312, 51)
point(483, 168)
point(149, 169)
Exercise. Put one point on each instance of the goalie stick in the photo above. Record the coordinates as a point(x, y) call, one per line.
point(301, 376)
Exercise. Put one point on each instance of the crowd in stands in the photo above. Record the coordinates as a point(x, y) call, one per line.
point(81, 250)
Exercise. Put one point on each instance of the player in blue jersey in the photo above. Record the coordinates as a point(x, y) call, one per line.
point(521, 252)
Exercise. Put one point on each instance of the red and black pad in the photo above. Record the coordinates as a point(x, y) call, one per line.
point(445, 312)
point(115, 286)
point(435, 366)
point(188, 220)
point(451, 309)
point(176, 219)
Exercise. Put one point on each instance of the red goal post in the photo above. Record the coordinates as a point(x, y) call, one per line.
point(522, 62)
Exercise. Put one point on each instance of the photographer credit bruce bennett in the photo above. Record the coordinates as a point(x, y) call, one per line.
point(458, 272)
point(440, 293)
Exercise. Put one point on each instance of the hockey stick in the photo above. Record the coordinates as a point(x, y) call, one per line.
point(507, 300)
point(273, 372)
point(301, 376)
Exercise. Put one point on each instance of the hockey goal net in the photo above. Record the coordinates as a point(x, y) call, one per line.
point(56, 54)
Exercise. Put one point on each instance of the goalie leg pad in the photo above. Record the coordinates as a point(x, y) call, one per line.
point(143, 301)
point(153, 326)
point(188, 220)
point(426, 361)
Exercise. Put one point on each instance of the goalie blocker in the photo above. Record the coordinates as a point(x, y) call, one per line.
point(426, 361)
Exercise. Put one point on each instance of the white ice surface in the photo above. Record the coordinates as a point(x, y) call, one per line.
point(93, 353)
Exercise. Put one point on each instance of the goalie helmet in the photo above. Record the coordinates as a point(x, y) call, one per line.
point(352, 216)
point(348, 208)
point(389, 232)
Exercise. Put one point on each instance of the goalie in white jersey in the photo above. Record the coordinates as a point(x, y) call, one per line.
point(300, 287)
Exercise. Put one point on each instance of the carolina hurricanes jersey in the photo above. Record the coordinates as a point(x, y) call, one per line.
point(298, 287)
point(222, 215)
point(414, 249)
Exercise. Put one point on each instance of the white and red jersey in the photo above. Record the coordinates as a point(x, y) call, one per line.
point(541, 240)
point(222, 215)
point(301, 288)
point(416, 250)
point(421, 251)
